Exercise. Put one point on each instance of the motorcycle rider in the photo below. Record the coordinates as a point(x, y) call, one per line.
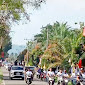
point(82, 76)
point(73, 77)
point(39, 73)
point(29, 73)
point(78, 80)
point(51, 75)
point(42, 74)
point(66, 76)
point(82, 73)
point(60, 76)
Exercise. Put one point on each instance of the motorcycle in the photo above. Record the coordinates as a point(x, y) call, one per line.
point(28, 80)
point(42, 76)
point(51, 80)
point(66, 81)
point(82, 82)
point(60, 81)
point(38, 75)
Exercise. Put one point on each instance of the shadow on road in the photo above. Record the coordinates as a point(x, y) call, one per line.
point(8, 78)
point(36, 79)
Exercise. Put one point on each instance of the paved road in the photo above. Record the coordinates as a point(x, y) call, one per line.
point(7, 81)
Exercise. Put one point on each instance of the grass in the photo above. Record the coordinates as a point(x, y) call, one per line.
point(1, 76)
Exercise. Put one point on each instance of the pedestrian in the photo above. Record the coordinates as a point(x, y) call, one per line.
point(15, 63)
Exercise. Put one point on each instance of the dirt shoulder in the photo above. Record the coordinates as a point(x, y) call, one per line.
point(1, 75)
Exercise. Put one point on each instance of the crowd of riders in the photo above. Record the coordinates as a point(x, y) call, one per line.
point(75, 76)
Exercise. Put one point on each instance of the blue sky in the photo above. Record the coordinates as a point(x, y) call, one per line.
point(70, 11)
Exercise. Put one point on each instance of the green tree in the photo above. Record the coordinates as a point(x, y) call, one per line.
point(20, 57)
point(63, 42)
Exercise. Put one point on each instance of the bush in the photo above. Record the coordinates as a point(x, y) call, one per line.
point(70, 83)
point(56, 79)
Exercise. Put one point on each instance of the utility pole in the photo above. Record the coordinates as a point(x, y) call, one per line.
point(47, 37)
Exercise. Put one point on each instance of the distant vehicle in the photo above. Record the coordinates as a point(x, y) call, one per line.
point(16, 72)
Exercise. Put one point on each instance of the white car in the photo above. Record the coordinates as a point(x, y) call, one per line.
point(16, 72)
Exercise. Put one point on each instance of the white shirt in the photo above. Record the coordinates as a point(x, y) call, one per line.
point(44, 71)
point(29, 73)
point(65, 75)
point(50, 73)
point(73, 76)
point(60, 76)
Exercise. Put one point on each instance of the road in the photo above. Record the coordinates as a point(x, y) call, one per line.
point(7, 80)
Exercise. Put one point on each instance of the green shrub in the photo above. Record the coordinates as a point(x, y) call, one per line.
point(70, 83)
point(56, 79)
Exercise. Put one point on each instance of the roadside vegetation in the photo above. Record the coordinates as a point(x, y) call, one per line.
point(1, 76)
point(12, 12)
point(55, 45)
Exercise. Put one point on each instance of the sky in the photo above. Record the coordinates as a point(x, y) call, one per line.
point(69, 11)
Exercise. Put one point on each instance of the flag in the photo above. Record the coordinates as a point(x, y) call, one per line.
point(2, 54)
point(80, 63)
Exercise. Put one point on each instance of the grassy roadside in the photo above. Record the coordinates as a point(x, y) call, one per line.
point(1, 76)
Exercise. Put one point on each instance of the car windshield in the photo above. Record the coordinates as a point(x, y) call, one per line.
point(31, 68)
point(17, 68)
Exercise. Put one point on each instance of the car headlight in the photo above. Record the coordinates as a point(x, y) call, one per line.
point(12, 73)
point(23, 72)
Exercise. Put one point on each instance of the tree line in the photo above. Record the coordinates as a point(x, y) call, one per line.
point(12, 11)
point(55, 45)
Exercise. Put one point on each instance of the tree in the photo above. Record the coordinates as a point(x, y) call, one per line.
point(63, 43)
point(67, 41)
point(21, 55)
point(7, 47)
point(35, 55)
point(12, 10)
